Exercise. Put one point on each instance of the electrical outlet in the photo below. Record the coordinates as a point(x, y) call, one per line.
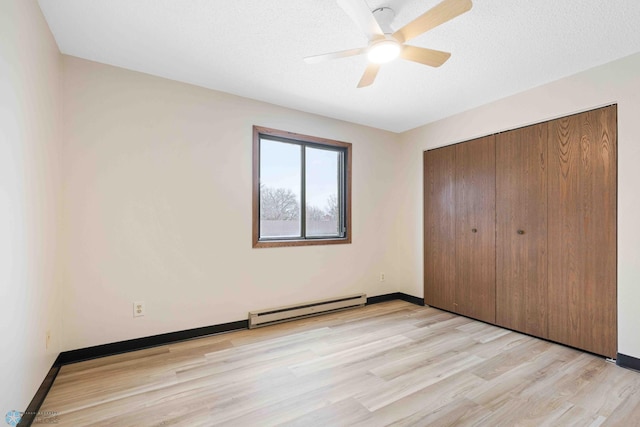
point(47, 340)
point(382, 277)
point(139, 309)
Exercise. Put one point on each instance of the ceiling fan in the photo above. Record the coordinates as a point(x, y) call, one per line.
point(385, 46)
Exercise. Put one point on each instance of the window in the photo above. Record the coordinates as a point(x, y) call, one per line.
point(301, 189)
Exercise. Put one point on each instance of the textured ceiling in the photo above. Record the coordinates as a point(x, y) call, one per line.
point(254, 48)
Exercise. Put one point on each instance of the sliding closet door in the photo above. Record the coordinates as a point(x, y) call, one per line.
point(475, 229)
point(582, 230)
point(439, 228)
point(521, 229)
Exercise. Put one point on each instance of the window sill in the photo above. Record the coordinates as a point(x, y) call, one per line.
point(308, 242)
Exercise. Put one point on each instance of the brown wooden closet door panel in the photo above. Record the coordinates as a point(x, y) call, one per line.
point(475, 229)
point(582, 231)
point(439, 228)
point(521, 230)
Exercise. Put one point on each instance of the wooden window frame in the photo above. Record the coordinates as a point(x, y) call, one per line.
point(259, 131)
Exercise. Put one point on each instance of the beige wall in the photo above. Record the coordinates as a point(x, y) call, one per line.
point(616, 82)
point(30, 113)
point(158, 208)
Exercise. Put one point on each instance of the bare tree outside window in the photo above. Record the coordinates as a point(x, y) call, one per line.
point(332, 209)
point(280, 211)
point(278, 204)
point(314, 213)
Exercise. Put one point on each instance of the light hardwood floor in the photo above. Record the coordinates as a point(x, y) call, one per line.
point(392, 363)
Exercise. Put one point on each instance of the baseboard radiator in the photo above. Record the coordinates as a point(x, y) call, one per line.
point(312, 308)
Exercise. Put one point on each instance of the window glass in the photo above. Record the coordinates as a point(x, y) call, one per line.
point(280, 189)
point(322, 192)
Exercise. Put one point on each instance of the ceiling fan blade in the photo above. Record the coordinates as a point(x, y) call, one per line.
point(435, 16)
point(334, 55)
point(430, 57)
point(360, 13)
point(369, 75)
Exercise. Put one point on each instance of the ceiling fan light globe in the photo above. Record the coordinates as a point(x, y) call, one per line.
point(383, 51)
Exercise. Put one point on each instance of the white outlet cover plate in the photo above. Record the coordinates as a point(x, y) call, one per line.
point(142, 309)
